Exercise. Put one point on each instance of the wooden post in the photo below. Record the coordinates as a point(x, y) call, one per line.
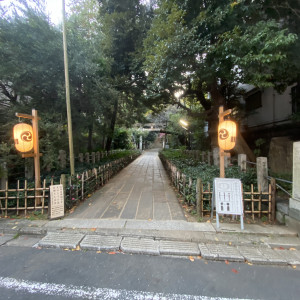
point(199, 197)
point(273, 199)
point(36, 149)
point(222, 114)
point(68, 102)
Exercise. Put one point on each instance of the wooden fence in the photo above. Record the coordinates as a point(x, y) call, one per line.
point(25, 197)
point(198, 193)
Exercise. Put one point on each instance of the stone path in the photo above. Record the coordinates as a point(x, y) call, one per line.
point(140, 191)
point(257, 244)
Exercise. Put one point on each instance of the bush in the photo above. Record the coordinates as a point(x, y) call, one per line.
point(196, 169)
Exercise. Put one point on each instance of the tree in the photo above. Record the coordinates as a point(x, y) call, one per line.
point(208, 47)
point(124, 26)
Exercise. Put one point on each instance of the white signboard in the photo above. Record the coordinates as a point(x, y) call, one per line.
point(57, 201)
point(228, 198)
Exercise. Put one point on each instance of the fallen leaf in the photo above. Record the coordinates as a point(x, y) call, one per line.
point(14, 227)
point(292, 249)
point(229, 243)
point(39, 248)
point(234, 271)
point(93, 229)
point(77, 248)
point(250, 264)
point(208, 221)
point(226, 262)
point(199, 257)
point(216, 239)
point(66, 249)
point(90, 204)
point(294, 267)
point(98, 252)
point(191, 258)
point(149, 219)
point(89, 195)
point(112, 252)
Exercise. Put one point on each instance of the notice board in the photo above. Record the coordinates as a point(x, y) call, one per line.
point(228, 198)
point(57, 201)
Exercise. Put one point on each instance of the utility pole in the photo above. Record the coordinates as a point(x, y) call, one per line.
point(71, 150)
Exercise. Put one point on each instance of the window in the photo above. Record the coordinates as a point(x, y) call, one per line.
point(295, 94)
point(253, 101)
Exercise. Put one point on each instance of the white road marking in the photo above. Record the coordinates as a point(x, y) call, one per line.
point(85, 292)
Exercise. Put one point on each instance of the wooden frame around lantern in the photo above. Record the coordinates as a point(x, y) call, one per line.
point(36, 149)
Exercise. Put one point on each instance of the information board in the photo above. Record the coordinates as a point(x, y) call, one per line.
point(57, 201)
point(228, 198)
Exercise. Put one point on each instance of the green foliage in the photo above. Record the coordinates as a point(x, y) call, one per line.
point(196, 169)
point(201, 47)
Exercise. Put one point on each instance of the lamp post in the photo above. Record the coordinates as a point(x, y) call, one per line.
point(26, 138)
point(226, 137)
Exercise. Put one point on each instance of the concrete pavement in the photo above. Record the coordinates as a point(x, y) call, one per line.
point(140, 191)
point(256, 244)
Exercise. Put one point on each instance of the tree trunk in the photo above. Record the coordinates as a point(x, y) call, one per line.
point(90, 137)
point(213, 118)
point(112, 126)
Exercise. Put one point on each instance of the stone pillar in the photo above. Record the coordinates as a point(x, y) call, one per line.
point(62, 157)
point(227, 161)
point(294, 204)
point(208, 158)
point(87, 157)
point(242, 158)
point(216, 156)
point(141, 143)
point(80, 157)
point(262, 173)
point(97, 156)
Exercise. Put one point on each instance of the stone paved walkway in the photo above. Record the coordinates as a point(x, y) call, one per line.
point(141, 191)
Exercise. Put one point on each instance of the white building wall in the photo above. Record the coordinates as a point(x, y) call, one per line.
point(276, 108)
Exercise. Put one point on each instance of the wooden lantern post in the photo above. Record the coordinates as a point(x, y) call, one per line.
point(222, 114)
point(36, 150)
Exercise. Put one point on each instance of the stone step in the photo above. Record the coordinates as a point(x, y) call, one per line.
point(211, 251)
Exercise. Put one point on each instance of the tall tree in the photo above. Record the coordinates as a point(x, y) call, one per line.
point(124, 26)
point(208, 47)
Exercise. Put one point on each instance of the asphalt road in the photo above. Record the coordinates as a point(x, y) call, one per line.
point(28, 273)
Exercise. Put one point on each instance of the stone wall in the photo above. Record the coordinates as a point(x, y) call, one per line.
point(281, 155)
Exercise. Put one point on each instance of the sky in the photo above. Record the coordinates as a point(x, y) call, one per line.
point(55, 10)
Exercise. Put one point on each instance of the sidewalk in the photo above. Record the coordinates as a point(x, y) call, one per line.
point(256, 244)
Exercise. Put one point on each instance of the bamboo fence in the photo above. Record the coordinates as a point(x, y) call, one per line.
point(199, 194)
point(26, 197)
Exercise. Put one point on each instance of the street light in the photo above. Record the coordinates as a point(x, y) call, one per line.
point(185, 125)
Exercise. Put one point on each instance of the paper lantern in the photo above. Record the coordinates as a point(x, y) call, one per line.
point(23, 136)
point(227, 135)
